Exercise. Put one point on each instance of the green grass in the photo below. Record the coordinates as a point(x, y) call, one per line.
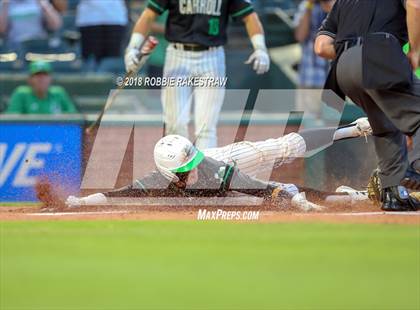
point(208, 265)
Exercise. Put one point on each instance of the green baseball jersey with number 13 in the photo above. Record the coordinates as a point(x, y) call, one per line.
point(202, 22)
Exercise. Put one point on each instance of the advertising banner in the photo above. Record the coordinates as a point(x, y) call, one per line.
point(32, 151)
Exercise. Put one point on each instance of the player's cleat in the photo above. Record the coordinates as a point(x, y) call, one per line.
point(299, 201)
point(362, 126)
point(411, 179)
point(354, 194)
point(359, 128)
point(396, 198)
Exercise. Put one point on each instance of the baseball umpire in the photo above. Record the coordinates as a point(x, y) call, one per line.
point(196, 30)
point(365, 38)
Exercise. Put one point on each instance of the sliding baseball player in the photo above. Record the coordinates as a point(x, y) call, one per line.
point(185, 171)
point(196, 31)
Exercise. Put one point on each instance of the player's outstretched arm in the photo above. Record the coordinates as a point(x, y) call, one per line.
point(259, 58)
point(152, 184)
point(140, 32)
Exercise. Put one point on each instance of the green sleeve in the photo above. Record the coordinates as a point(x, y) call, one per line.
point(16, 103)
point(66, 103)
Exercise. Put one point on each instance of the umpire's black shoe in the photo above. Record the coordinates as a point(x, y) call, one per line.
point(411, 179)
point(396, 198)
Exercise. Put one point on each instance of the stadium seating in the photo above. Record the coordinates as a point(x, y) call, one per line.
point(89, 83)
point(111, 65)
point(9, 60)
point(72, 4)
point(88, 91)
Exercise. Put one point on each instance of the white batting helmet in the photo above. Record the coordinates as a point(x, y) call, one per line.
point(176, 154)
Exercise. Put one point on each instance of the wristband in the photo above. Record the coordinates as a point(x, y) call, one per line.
point(258, 42)
point(136, 40)
point(309, 5)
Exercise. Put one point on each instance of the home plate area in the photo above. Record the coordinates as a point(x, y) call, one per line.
point(190, 209)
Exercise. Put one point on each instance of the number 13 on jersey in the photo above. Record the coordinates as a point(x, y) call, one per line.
point(214, 26)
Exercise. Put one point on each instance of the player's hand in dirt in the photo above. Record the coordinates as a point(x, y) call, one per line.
point(92, 200)
point(260, 61)
point(74, 202)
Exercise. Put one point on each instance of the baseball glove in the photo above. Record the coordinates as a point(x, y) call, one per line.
point(374, 189)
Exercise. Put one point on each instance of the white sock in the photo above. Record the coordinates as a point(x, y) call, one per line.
point(346, 132)
point(95, 199)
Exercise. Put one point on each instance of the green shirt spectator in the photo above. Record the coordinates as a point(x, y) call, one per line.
point(39, 97)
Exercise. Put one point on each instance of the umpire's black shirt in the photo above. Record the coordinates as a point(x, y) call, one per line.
point(350, 18)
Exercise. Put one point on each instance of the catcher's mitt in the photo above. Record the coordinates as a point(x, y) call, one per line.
point(415, 195)
point(374, 189)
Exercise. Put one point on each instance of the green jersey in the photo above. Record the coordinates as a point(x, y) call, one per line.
point(24, 101)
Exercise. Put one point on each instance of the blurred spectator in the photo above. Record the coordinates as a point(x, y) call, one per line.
point(103, 26)
point(313, 70)
point(39, 97)
point(60, 5)
point(157, 58)
point(22, 20)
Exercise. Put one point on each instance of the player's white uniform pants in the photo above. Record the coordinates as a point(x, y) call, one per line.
point(208, 101)
point(255, 158)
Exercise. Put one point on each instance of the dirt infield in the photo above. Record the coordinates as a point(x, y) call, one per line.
point(230, 208)
point(354, 214)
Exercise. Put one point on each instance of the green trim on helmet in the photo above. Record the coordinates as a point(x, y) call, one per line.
point(198, 158)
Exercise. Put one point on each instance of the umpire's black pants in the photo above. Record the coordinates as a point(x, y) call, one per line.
point(392, 115)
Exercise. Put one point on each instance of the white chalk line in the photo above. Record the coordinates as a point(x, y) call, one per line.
point(296, 214)
point(79, 213)
point(411, 213)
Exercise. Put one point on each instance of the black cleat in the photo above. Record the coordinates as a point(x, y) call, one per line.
point(411, 179)
point(396, 198)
